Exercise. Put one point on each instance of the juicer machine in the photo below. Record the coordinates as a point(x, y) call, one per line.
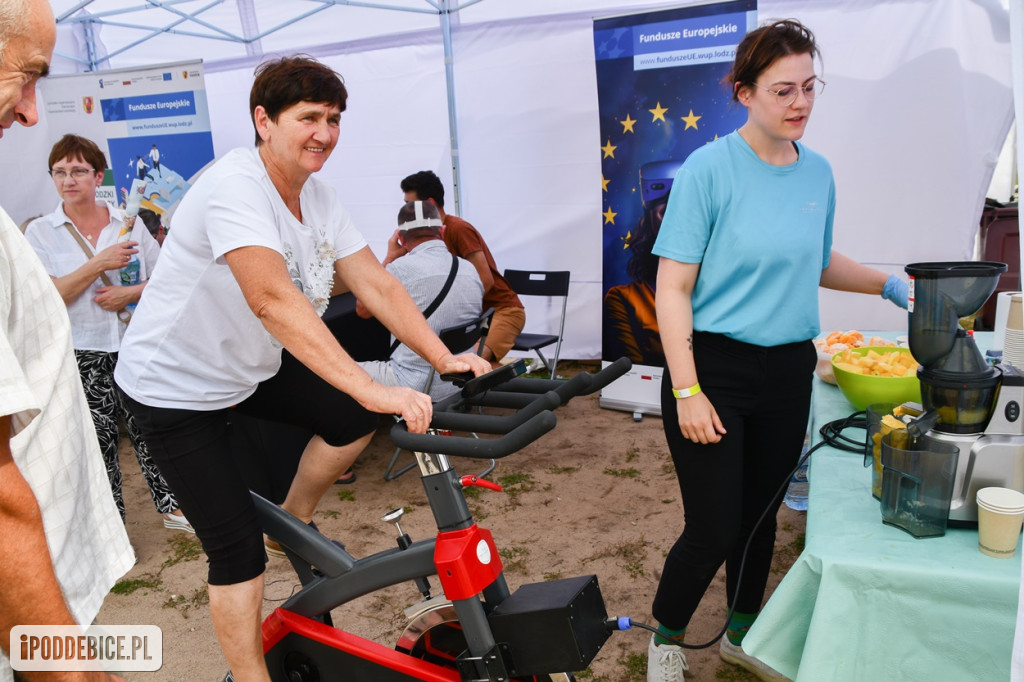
point(967, 402)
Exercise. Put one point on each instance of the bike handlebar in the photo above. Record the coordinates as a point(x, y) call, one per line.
point(478, 448)
point(488, 423)
point(533, 398)
point(513, 393)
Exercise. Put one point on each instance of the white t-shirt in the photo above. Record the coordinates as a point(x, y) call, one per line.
point(193, 342)
point(53, 441)
point(92, 327)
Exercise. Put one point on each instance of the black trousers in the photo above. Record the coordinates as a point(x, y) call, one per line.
point(193, 450)
point(763, 397)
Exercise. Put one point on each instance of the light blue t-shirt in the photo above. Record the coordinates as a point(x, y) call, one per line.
point(762, 235)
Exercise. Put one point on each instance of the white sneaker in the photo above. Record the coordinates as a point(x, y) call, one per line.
point(665, 662)
point(733, 653)
point(175, 522)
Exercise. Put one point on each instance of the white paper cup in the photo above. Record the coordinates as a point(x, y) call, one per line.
point(1000, 516)
point(1013, 347)
point(1015, 318)
point(1002, 312)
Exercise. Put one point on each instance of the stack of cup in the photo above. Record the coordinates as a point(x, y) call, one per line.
point(1000, 516)
point(1002, 311)
point(1013, 340)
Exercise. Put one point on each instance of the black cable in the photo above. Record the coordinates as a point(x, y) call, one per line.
point(832, 435)
point(832, 432)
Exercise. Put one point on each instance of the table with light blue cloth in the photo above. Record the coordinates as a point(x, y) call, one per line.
point(867, 601)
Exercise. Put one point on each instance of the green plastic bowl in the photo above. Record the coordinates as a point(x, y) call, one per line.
point(862, 389)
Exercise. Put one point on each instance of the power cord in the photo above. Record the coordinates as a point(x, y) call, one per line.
point(832, 432)
point(832, 435)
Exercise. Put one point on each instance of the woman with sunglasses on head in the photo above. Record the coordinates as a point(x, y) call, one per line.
point(745, 243)
point(78, 245)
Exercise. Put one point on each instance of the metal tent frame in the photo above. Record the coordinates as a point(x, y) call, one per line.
point(174, 19)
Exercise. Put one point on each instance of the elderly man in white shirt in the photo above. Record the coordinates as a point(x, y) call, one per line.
point(64, 545)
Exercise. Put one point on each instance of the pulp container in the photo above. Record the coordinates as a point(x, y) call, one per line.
point(917, 483)
point(873, 442)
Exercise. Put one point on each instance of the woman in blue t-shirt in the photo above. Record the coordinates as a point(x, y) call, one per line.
point(745, 243)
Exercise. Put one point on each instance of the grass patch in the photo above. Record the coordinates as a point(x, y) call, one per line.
point(632, 454)
point(184, 547)
point(634, 667)
point(622, 473)
point(347, 495)
point(557, 575)
point(516, 480)
point(516, 484)
point(514, 558)
point(478, 512)
point(183, 604)
point(564, 470)
point(331, 513)
point(633, 554)
point(129, 585)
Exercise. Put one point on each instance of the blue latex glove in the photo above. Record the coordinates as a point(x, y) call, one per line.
point(896, 290)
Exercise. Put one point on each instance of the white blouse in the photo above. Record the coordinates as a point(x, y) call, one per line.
point(92, 327)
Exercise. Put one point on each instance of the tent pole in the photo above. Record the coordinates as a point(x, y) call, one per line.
point(449, 78)
point(250, 28)
point(90, 45)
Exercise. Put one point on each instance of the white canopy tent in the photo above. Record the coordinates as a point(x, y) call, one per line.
point(919, 101)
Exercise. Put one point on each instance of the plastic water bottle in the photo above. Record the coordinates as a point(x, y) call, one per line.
point(129, 274)
point(796, 494)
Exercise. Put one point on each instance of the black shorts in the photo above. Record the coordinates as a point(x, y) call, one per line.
point(193, 452)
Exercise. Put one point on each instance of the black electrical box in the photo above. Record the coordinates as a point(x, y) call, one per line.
point(551, 627)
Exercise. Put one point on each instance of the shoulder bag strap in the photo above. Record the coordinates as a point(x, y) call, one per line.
point(88, 252)
point(122, 314)
point(437, 299)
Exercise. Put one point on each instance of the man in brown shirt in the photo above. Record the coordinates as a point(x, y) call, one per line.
point(464, 241)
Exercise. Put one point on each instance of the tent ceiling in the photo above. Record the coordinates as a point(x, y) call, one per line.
point(112, 34)
point(118, 33)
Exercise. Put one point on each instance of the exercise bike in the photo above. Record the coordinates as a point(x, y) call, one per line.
point(475, 629)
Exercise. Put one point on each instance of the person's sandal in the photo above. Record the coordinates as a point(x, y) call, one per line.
point(175, 522)
point(346, 478)
point(274, 548)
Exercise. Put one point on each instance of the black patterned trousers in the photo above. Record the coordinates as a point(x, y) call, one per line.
point(106, 405)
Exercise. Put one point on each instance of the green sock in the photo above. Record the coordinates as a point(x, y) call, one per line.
point(739, 625)
point(669, 636)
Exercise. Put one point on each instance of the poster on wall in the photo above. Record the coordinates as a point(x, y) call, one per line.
point(153, 123)
point(660, 96)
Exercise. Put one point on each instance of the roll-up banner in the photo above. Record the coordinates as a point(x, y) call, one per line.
point(152, 122)
point(660, 96)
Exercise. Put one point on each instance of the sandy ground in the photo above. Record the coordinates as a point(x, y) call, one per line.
point(598, 495)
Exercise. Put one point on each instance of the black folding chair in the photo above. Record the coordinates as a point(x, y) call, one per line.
point(553, 284)
point(458, 339)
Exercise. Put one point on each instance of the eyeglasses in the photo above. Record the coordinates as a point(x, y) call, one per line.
point(76, 173)
point(787, 95)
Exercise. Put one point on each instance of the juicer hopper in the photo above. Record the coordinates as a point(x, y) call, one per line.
point(942, 293)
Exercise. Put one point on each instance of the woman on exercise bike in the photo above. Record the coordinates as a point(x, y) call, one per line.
point(257, 248)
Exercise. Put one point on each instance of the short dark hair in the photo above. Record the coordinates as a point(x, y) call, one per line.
point(77, 147)
point(761, 47)
point(280, 83)
point(427, 186)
